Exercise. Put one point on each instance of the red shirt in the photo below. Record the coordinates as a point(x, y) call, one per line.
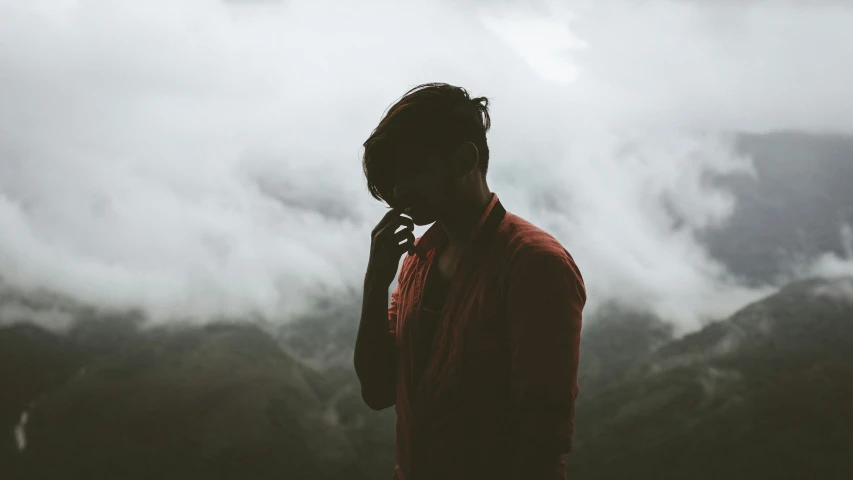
point(503, 372)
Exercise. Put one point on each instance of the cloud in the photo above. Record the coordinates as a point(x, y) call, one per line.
point(840, 289)
point(53, 318)
point(832, 265)
point(201, 158)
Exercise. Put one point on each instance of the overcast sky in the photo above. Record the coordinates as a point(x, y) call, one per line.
point(196, 157)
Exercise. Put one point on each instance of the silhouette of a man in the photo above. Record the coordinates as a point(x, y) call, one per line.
point(479, 348)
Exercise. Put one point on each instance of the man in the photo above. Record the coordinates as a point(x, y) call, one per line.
point(479, 348)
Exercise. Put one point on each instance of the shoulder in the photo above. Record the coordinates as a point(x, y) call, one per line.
point(530, 249)
point(526, 241)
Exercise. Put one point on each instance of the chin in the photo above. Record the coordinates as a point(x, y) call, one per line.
point(420, 219)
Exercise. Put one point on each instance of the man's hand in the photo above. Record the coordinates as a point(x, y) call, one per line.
point(387, 245)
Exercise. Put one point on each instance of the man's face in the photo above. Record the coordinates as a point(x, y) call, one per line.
point(422, 186)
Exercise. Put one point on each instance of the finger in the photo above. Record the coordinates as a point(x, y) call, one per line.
point(390, 216)
point(406, 222)
point(408, 245)
point(410, 242)
point(404, 235)
point(392, 225)
point(393, 222)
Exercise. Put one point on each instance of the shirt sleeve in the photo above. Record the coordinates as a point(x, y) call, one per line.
point(545, 300)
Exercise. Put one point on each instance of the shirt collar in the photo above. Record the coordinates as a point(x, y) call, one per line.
point(435, 235)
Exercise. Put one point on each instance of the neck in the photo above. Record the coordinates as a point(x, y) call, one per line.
point(461, 221)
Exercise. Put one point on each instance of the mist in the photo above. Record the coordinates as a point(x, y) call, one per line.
point(201, 159)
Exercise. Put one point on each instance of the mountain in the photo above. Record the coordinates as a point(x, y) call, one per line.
point(324, 340)
point(32, 361)
point(614, 340)
point(767, 393)
point(108, 400)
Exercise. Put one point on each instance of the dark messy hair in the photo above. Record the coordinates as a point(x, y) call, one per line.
point(432, 118)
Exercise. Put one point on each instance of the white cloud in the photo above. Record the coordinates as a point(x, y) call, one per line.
point(832, 265)
point(544, 42)
point(161, 153)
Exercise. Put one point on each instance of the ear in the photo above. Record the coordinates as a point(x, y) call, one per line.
point(466, 159)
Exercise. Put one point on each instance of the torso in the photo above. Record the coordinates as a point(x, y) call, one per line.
point(467, 428)
point(446, 263)
point(432, 304)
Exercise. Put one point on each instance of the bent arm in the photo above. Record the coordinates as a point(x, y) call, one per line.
point(375, 355)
